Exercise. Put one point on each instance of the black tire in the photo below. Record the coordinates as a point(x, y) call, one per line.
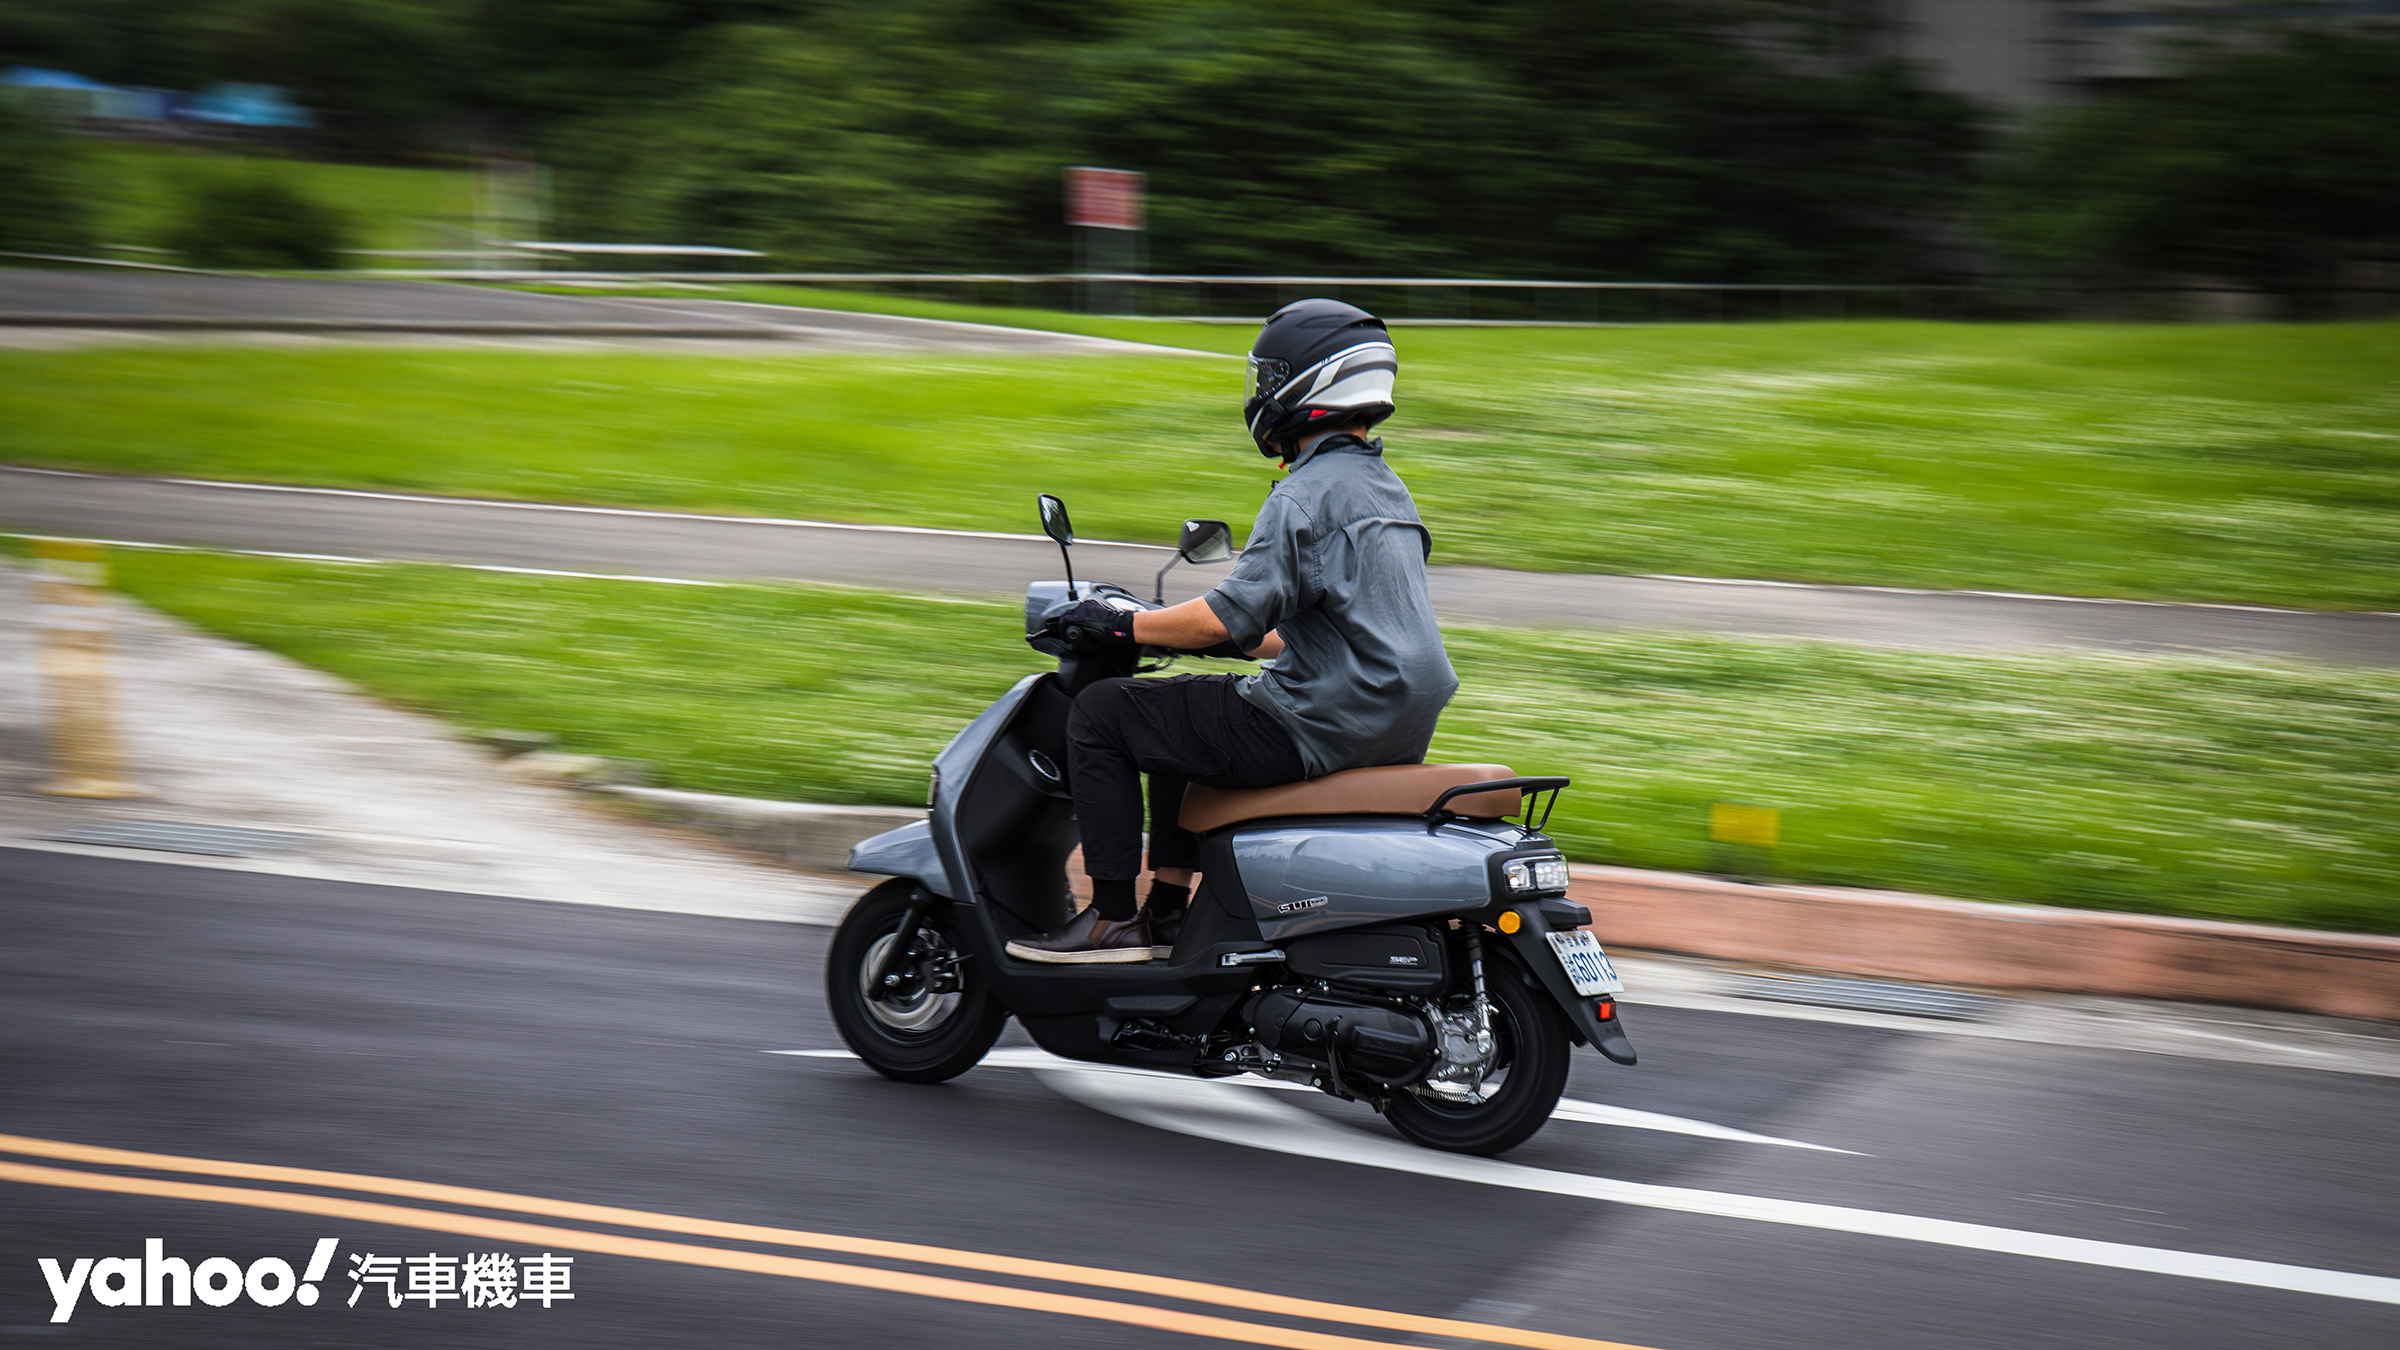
point(927, 1037)
point(1534, 1044)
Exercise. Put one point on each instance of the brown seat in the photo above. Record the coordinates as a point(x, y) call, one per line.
point(1394, 790)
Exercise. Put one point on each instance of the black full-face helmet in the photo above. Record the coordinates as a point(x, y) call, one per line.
point(1318, 362)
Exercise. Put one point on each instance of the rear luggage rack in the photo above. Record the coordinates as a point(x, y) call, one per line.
point(1437, 815)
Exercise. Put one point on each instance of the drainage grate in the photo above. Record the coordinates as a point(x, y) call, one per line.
point(1867, 996)
point(224, 841)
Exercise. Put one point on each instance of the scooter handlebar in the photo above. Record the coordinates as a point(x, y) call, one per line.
point(1046, 600)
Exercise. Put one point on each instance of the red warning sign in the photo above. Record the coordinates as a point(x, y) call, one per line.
point(1104, 199)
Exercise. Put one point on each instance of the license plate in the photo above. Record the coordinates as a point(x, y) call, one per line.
point(1585, 963)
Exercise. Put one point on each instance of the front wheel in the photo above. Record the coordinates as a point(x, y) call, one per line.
point(1529, 1074)
point(936, 1019)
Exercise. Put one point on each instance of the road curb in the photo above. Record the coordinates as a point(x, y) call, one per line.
point(1930, 938)
point(443, 327)
point(806, 835)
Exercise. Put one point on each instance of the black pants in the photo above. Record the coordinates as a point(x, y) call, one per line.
point(1184, 729)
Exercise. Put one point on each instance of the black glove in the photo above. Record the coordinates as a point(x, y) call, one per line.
point(1091, 625)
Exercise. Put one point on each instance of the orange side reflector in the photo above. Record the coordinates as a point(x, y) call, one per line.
point(1509, 922)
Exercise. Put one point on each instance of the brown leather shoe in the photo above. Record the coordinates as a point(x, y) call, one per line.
point(1088, 940)
point(1164, 930)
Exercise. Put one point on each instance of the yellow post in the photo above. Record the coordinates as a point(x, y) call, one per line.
point(1752, 826)
point(1742, 839)
point(87, 756)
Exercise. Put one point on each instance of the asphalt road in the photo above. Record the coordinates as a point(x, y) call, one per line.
point(621, 1058)
point(666, 544)
point(170, 301)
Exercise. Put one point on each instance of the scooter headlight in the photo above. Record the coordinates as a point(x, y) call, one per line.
point(1529, 875)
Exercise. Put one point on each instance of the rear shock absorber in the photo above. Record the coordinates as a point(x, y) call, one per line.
point(1483, 1006)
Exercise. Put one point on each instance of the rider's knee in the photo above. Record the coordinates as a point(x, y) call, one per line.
point(1099, 710)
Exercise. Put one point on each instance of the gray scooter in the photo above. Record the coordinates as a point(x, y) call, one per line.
point(1386, 935)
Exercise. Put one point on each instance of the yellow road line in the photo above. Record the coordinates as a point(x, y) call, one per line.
point(576, 1239)
point(1118, 1281)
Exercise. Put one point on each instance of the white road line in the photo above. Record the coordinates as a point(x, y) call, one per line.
point(1209, 1110)
point(561, 508)
point(1600, 1113)
point(1588, 1113)
point(795, 524)
point(2242, 1040)
point(1997, 595)
point(984, 331)
point(347, 561)
point(554, 572)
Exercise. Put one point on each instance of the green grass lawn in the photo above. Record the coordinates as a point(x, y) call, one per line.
point(2251, 463)
point(137, 191)
point(2250, 790)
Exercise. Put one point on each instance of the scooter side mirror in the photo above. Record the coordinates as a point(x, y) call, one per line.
point(1202, 541)
point(1055, 522)
point(1061, 531)
point(1205, 541)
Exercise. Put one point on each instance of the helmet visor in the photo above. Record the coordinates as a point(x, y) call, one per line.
point(1265, 375)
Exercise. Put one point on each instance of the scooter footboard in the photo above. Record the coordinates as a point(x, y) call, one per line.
point(1531, 943)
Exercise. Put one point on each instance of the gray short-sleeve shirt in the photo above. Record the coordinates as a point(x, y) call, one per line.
point(1336, 562)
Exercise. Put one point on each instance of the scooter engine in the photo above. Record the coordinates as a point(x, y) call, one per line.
point(1381, 1044)
point(1467, 1053)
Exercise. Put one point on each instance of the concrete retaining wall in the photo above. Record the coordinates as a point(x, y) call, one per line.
point(1917, 937)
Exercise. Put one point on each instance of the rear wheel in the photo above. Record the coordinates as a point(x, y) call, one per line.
point(935, 1019)
point(1529, 1073)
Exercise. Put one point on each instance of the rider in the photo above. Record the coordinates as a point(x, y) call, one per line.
point(1331, 588)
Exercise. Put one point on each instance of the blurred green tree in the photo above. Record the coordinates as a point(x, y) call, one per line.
point(1578, 138)
point(916, 133)
point(41, 195)
point(1691, 142)
point(544, 59)
point(2269, 167)
point(251, 220)
point(1308, 135)
point(374, 71)
point(1601, 138)
point(138, 42)
point(1583, 138)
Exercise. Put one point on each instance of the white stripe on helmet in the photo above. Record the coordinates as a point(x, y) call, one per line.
point(1357, 389)
point(1324, 372)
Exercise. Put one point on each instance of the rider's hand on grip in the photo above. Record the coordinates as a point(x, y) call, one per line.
point(1091, 625)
